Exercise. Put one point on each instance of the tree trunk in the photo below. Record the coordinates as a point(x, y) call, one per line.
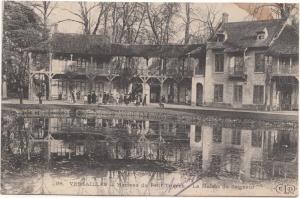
point(4, 87)
point(21, 95)
point(187, 25)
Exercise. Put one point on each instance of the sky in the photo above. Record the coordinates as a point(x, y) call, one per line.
point(61, 13)
point(235, 14)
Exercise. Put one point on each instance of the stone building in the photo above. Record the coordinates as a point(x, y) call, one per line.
point(252, 65)
point(86, 63)
point(248, 65)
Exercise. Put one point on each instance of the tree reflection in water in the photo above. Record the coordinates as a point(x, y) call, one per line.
point(124, 151)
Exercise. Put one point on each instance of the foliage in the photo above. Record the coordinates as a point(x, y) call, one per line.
point(21, 29)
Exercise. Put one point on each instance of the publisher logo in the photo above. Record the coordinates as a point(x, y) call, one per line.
point(285, 189)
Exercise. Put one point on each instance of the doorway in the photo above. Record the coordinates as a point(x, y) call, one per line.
point(199, 95)
point(237, 94)
point(285, 100)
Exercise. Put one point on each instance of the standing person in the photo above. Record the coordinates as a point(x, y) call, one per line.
point(20, 91)
point(186, 99)
point(100, 100)
point(163, 99)
point(121, 99)
point(85, 99)
point(94, 97)
point(138, 100)
point(78, 95)
point(126, 99)
point(40, 97)
point(89, 98)
point(104, 98)
point(145, 99)
point(73, 96)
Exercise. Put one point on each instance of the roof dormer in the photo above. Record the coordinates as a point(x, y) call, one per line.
point(262, 34)
point(221, 36)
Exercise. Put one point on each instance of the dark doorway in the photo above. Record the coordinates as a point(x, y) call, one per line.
point(154, 93)
point(285, 98)
point(199, 98)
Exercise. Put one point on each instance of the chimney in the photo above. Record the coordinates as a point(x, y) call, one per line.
point(225, 17)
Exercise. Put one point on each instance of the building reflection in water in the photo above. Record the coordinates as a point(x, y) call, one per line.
point(208, 150)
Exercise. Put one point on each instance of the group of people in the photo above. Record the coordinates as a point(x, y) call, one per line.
point(90, 98)
point(108, 98)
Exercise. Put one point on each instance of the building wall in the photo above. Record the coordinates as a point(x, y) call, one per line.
point(197, 80)
point(212, 78)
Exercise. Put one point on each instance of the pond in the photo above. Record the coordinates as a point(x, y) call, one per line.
point(84, 152)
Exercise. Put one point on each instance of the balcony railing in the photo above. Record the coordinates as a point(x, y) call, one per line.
point(93, 70)
point(112, 69)
point(238, 73)
point(285, 70)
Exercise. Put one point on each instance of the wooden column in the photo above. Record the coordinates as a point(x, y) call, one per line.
point(50, 62)
point(145, 70)
point(290, 68)
point(50, 86)
point(161, 80)
point(30, 87)
point(278, 65)
point(4, 86)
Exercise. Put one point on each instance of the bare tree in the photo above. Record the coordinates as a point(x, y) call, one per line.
point(270, 10)
point(44, 9)
point(83, 16)
point(126, 22)
point(208, 18)
point(104, 9)
point(187, 23)
point(198, 24)
point(160, 20)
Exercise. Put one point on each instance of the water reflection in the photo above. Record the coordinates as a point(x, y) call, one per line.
point(120, 150)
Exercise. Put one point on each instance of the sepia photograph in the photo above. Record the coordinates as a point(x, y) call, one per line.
point(149, 98)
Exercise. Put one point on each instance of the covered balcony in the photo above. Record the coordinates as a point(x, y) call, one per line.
point(238, 72)
point(285, 66)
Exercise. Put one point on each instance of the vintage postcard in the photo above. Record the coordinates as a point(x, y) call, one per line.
point(149, 99)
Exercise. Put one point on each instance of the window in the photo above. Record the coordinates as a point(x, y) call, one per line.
point(256, 138)
point(258, 94)
point(236, 137)
point(259, 62)
point(198, 134)
point(238, 64)
point(220, 37)
point(217, 134)
point(284, 61)
point(238, 94)
point(219, 63)
point(218, 93)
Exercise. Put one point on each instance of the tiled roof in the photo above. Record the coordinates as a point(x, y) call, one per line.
point(287, 43)
point(156, 50)
point(75, 43)
point(244, 34)
point(100, 45)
